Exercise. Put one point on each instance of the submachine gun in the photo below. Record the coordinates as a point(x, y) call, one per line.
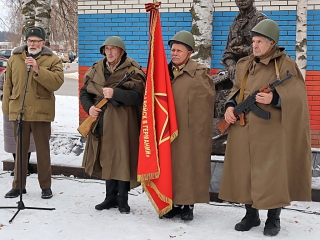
point(249, 104)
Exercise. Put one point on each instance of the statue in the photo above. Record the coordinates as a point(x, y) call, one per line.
point(239, 44)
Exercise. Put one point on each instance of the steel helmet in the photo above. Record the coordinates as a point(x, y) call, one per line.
point(114, 41)
point(185, 38)
point(268, 28)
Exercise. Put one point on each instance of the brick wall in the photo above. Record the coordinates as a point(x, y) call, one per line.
point(313, 90)
point(128, 19)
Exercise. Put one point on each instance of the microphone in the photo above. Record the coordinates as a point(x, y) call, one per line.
point(29, 66)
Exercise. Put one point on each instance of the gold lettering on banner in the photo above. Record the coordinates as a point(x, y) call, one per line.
point(145, 130)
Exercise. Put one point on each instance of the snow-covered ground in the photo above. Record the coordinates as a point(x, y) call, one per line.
point(74, 216)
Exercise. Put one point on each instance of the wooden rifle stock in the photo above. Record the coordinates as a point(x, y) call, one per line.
point(87, 124)
point(223, 126)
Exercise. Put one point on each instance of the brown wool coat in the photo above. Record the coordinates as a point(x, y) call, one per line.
point(117, 156)
point(268, 162)
point(40, 100)
point(194, 96)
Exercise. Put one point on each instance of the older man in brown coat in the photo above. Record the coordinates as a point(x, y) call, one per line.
point(111, 151)
point(267, 162)
point(194, 96)
point(45, 75)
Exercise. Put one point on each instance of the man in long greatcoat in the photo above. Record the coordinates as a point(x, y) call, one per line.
point(194, 96)
point(111, 151)
point(268, 162)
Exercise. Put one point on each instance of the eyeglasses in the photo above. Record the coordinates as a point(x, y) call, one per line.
point(34, 41)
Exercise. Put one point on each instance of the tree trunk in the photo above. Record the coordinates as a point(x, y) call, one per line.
point(202, 19)
point(301, 36)
point(37, 13)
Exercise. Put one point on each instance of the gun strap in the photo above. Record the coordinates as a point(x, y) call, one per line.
point(277, 69)
point(243, 85)
point(130, 69)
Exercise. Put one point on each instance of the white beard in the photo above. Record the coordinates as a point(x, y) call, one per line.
point(34, 52)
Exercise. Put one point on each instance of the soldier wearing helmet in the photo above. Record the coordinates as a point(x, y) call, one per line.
point(111, 151)
point(265, 156)
point(194, 95)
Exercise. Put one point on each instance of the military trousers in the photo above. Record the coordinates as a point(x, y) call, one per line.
point(41, 133)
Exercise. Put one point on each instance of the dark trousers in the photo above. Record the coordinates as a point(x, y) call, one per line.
point(41, 134)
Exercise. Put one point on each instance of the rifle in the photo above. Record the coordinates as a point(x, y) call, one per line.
point(87, 124)
point(249, 105)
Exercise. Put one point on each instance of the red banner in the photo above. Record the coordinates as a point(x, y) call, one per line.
point(159, 125)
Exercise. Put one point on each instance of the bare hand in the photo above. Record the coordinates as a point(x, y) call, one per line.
point(107, 92)
point(229, 115)
point(30, 61)
point(94, 112)
point(264, 98)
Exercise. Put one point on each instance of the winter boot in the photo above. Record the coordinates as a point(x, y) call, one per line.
point(123, 189)
point(272, 226)
point(187, 212)
point(176, 210)
point(251, 219)
point(111, 196)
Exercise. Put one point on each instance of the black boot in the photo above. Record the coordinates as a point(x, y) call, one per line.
point(111, 196)
point(176, 210)
point(251, 219)
point(272, 226)
point(187, 212)
point(123, 189)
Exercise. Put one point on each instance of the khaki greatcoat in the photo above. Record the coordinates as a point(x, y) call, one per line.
point(268, 162)
point(194, 96)
point(115, 156)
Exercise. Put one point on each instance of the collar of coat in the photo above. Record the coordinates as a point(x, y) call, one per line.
point(191, 67)
point(275, 52)
point(45, 50)
point(98, 67)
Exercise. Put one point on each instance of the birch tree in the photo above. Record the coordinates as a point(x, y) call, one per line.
point(37, 13)
point(201, 12)
point(301, 36)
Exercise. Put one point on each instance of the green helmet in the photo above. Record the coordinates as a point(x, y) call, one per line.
point(185, 38)
point(114, 41)
point(268, 28)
